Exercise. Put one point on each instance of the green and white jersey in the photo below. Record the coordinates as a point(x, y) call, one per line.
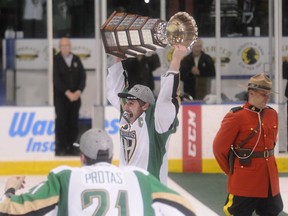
point(100, 189)
point(145, 142)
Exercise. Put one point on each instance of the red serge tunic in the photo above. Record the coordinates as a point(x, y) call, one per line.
point(252, 180)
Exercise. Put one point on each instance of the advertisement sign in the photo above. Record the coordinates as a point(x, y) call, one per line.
point(33, 53)
point(192, 143)
point(27, 133)
point(240, 57)
point(111, 125)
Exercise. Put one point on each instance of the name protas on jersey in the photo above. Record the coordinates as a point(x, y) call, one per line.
point(104, 177)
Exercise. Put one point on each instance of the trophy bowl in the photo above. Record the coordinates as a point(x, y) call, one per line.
point(182, 29)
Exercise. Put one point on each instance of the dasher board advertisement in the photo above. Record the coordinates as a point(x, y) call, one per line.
point(192, 138)
point(27, 133)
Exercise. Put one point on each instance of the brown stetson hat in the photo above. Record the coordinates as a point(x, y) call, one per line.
point(260, 81)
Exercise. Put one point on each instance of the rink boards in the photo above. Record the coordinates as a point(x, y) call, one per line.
point(27, 141)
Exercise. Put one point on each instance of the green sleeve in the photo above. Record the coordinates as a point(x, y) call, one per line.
point(153, 190)
point(39, 200)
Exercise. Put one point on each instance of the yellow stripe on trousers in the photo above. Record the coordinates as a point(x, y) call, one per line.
point(228, 204)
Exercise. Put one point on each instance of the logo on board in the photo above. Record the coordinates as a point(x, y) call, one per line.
point(250, 54)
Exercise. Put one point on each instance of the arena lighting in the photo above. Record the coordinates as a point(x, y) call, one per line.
point(147, 1)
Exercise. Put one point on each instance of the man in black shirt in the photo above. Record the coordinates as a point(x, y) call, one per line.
point(69, 78)
point(196, 70)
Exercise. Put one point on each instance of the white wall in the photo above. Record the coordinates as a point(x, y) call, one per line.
point(32, 90)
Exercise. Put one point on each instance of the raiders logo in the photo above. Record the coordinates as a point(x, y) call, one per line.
point(128, 140)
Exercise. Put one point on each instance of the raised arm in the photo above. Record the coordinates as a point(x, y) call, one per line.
point(115, 83)
point(168, 100)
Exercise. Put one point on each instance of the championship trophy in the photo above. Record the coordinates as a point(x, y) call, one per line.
point(128, 35)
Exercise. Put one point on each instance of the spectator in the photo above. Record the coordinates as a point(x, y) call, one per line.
point(146, 125)
point(61, 18)
point(140, 70)
point(97, 188)
point(244, 148)
point(69, 78)
point(34, 25)
point(196, 70)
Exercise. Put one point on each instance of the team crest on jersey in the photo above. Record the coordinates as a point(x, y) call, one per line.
point(128, 140)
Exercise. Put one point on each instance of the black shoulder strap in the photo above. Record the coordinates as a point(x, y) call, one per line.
point(235, 109)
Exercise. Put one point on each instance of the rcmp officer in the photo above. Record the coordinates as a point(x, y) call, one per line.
point(244, 149)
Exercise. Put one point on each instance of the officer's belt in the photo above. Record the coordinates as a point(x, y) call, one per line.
point(264, 154)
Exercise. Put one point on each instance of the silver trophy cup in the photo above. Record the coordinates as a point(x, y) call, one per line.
point(128, 35)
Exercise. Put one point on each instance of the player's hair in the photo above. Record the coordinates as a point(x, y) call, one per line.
point(102, 156)
point(141, 103)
